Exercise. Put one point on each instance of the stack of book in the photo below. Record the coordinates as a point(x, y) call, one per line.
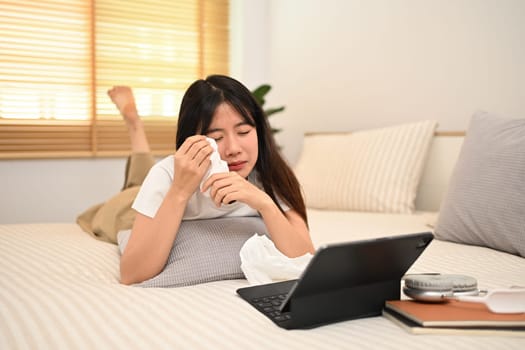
point(453, 317)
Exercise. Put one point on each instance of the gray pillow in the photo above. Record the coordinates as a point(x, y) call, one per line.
point(204, 251)
point(485, 201)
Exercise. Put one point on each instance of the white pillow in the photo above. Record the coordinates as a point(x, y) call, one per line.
point(373, 170)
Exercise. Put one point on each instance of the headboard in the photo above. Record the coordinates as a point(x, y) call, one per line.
point(442, 157)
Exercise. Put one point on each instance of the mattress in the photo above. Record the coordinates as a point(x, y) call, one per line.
point(59, 289)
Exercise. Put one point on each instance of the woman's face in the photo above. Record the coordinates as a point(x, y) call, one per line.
point(236, 139)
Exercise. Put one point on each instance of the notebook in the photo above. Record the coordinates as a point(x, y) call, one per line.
point(453, 317)
point(342, 281)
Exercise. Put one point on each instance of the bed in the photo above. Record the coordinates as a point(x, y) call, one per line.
point(60, 290)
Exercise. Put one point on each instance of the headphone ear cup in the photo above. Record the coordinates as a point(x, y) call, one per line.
point(458, 283)
point(462, 283)
point(432, 283)
point(435, 288)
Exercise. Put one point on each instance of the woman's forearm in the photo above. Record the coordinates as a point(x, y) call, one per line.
point(151, 241)
point(289, 232)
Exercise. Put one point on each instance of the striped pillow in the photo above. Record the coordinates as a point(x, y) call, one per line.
point(374, 170)
point(485, 200)
point(205, 250)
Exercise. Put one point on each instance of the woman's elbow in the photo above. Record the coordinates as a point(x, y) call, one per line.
point(131, 273)
point(125, 276)
point(295, 252)
point(128, 274)
point(125, 281)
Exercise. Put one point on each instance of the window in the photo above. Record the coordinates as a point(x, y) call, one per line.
point(59, 58)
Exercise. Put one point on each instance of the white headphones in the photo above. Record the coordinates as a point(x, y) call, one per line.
point(437, 287)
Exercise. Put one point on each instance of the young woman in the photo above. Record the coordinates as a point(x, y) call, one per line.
point(259, 181)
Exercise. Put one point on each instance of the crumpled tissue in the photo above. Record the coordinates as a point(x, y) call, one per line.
point(217, 164)
point(262, 262)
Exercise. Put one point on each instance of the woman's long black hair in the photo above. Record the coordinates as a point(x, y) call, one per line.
point(196, 112)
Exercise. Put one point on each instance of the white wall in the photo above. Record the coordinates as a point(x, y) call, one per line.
point(249, 37)
point(347, 64)
point(55, 190)
point(353, 64)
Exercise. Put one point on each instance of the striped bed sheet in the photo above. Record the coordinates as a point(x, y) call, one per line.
point(59, 290)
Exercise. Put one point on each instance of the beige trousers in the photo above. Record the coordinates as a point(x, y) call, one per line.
point(105, 220)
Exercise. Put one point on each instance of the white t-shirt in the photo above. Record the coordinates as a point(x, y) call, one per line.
point(158, 182)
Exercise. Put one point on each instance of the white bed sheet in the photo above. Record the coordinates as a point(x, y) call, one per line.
point(59, 290)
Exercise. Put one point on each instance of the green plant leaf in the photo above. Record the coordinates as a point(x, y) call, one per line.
point(260, 92)
point(271, 111)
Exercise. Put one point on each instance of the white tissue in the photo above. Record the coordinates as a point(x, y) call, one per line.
point(217, 164)
point(262, 262)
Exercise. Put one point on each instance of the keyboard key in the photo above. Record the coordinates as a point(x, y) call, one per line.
point(271, 306)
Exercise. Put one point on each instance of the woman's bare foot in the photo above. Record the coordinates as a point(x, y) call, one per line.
point(122, 97)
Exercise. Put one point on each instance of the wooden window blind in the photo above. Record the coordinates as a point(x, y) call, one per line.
point(59, 58)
